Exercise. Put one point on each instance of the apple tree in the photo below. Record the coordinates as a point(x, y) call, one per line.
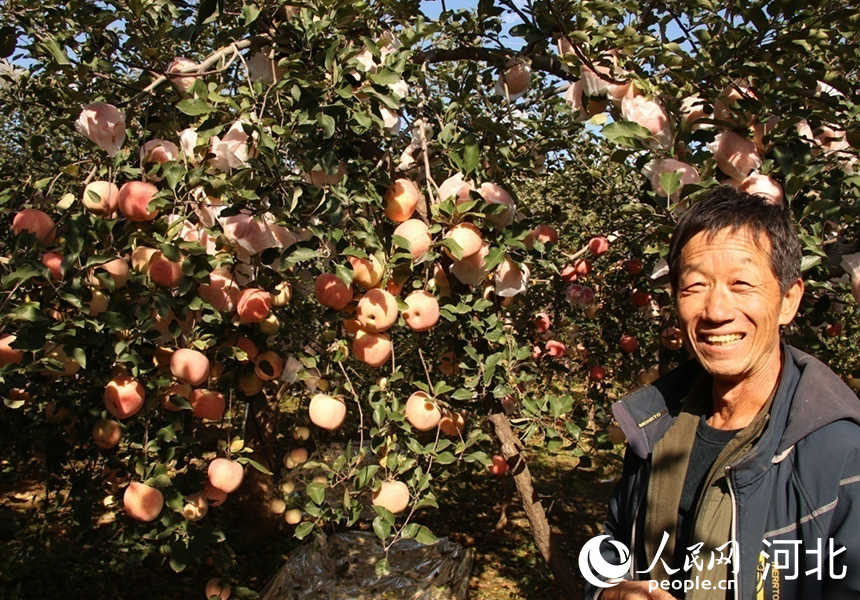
point(275, 262)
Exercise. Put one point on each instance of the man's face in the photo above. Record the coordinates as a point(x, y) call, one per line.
point(730, 307)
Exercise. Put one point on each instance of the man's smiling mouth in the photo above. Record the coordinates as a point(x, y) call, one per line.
point(722, 340)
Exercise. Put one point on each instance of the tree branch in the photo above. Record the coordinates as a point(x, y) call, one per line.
point(549, 64)
point(541, 531)
point(203, 67)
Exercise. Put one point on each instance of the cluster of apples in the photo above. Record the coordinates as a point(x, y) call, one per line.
point(425, 414)
point(376, 309)
point(124, 395)
point(144, 502)
point(329, 413)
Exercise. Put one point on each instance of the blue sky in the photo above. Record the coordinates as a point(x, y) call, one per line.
point(432, 8)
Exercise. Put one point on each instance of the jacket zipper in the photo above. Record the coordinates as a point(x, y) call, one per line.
point(633, 533)
point(734, 528)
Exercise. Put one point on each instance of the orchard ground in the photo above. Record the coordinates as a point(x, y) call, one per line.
point(41, 558)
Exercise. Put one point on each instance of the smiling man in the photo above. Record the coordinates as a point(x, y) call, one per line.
point(742, 473)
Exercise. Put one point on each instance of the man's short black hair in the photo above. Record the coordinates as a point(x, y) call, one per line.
point(726, 208)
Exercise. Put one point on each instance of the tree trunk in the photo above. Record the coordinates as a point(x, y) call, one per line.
point(250, 503)
point(543, 536)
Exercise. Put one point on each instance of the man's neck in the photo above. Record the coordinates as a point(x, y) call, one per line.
point(736, 404)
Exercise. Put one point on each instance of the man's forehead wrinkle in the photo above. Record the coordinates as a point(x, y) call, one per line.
point(736, 229)
point(687, 265)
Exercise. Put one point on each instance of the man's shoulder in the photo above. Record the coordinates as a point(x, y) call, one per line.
point(833, 441)
point(821, 405)
point(646, 414)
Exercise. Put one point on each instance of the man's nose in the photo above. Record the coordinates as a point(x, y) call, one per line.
point(719, 307)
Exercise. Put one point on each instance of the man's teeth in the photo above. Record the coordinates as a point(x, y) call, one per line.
point(723, 339)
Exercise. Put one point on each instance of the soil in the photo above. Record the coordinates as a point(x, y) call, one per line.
point(41, 557)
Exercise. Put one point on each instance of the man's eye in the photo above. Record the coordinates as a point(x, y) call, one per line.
point(692, 288)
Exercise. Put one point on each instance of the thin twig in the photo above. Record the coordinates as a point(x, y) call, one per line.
point(426, 370)
point(358, 403)
point(199, 70)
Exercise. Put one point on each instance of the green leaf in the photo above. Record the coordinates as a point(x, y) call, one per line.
point(327, 123)
point(316, 491)
point(170, 252)
point(381, 528)
point(177, 565)
point(482, 305)
point(194, 107)
point(22, 273)
point(8, 40)
point(494, 257)
point(425, 536)
point(303, 530)
point(401, 242)
point(480, 457)
point(471, 156)
point(409, 530)
point(462, 394)
point(670, 181)
point(160, 481)
point(247, 461)
point(55, 50)
point(301, 255)
point(29, 312)
point(455, 248)
point(385, 77)
point(209, 10)
point(382, 567)
point(490, 125)
point(363, 477)
point(619, 130)
point(80, 357)
point(250, 12)
point(808, 262)
point(446, 458)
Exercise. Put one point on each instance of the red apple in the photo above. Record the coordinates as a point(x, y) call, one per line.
point(555, 348)
point(633, 266)
point(142, 502)
point(582, 267)
point(332, 292)
point(189, 366)
point(640, 299)
point(206, 404)
point(54, 262)
point(124, 396)
point(36, 222)
point(133, 199)
point(164, 271)
point(542, 322)
point(499, 466)
point(628, 343)
point(833, 329)
point(9, 355)
point(597, 373)
point(225, 475)
point(598, 246)
point(254, 305)
point(107, 433)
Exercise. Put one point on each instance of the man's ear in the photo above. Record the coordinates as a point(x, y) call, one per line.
point(791, 302)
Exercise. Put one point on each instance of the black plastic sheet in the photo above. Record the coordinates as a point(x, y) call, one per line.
point(343, 567)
